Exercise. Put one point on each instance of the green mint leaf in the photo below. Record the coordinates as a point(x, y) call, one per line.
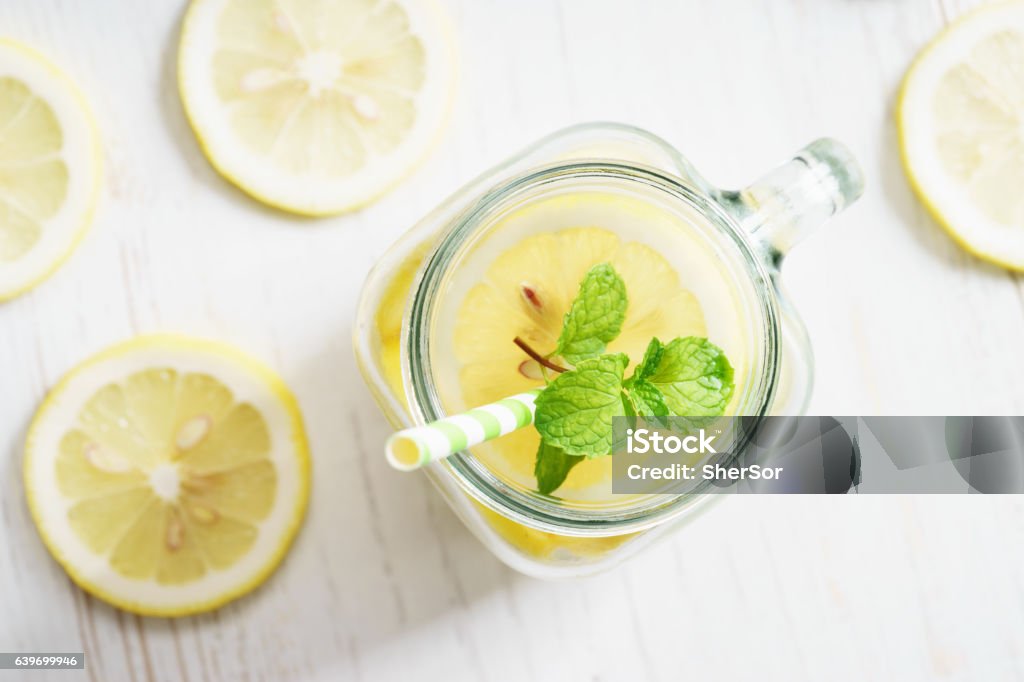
point(694, 376)
point(628, 408)
point(596, 316)
point(652, 358)
point(648, 400)
point(575, 411)
point(552, 467)
point(629, 411)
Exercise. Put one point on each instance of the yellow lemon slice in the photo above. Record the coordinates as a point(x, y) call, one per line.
point(526, 292)
point(168, 476)
point(49, 168)
point(316, 107)
point(961, 125)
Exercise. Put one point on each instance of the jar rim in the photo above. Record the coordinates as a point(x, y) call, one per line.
point(475, 479)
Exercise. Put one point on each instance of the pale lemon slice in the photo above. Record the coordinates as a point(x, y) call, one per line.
point(961, 124)
point(49, 168)
point(316, 107)
point(527, 291)
point(168, 476)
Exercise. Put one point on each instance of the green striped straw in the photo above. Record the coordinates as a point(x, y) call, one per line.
point(412, 448)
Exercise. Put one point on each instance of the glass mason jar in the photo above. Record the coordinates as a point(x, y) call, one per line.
point(402, 331)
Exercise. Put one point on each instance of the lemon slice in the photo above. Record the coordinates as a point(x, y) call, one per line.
point(49, 168)
point(526, 292)
point(168, 476)
point(961, 124)
point(316, 107)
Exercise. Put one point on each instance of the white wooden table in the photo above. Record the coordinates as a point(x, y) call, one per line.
point(384, 583)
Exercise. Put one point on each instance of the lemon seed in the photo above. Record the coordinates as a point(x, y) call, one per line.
point(104, 460)
point(175, 537)
point(203, 514)
point(193, 432)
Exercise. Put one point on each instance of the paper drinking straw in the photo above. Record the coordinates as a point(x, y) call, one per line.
point(412, 448)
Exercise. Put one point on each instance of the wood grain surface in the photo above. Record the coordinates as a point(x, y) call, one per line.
point(384, 583)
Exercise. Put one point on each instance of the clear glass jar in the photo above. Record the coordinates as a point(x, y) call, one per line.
point(402, 345)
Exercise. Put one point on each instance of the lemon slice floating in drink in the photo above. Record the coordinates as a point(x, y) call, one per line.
point(49, 168)
point(168, 476)
point(526, 293)
point(316, 107)
point(961, 124)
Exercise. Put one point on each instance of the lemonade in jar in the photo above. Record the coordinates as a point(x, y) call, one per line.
point(469, 307)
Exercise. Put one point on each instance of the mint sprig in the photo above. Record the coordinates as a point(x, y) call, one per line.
point(688, 377)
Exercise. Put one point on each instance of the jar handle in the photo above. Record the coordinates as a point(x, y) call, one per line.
point(785, 205)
